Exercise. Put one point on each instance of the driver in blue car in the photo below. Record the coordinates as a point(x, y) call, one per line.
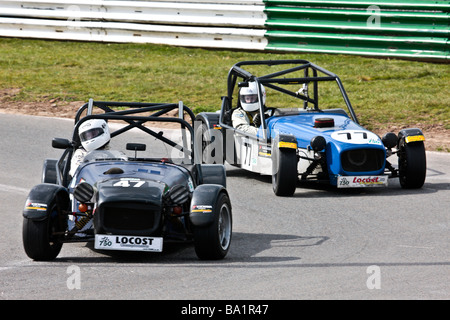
point(246, 117)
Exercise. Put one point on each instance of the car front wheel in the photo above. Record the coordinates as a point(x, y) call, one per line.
point(284, 172)
point(213, 241)
point(412, 165)
point(40, 238)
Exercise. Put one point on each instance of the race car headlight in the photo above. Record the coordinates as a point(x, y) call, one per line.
point(318, 143)
point(389, 140)
point(83, 192)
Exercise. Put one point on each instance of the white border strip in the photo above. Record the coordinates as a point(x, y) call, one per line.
point(232, 38)
point(227, 24)
point(186, 13)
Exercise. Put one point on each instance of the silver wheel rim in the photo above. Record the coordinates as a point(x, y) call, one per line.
point(224, 227)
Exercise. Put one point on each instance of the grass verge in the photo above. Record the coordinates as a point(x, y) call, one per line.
point(383, 92)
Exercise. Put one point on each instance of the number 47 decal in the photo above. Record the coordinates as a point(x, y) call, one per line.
point(128, 183)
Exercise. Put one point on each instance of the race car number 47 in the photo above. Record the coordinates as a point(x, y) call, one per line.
point(362, 181)
point(128, 243)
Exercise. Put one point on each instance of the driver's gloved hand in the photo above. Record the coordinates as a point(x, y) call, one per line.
point(257, 120)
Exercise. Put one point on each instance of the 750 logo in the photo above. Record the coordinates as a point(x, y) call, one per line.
point(344, 182)
point(105, 242)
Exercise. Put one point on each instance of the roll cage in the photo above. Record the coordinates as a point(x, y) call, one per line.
point(130, 113)
point(312, 74)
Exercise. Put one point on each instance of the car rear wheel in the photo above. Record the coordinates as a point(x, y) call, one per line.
point(284, 172)
point(213, 241)
point(49, 171)
point(412, 165)
point(39, 241)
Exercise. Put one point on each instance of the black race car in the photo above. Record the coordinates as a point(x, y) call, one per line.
point(136, 201)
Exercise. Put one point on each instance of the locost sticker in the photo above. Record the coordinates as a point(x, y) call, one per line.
point(128, 243)
point(362, 181)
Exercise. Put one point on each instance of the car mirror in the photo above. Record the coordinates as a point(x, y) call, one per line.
point(61, 143)
point(136, 146)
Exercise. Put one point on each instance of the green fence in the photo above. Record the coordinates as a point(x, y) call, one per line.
point(402, 28)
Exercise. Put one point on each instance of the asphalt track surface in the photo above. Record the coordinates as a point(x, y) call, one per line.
point(322, 243)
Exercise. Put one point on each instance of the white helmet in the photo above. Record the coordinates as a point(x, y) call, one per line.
point(94, 134)
point(249, 97)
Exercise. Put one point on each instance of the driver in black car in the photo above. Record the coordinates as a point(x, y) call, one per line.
point(94, 135)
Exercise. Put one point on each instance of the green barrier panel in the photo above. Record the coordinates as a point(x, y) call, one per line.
point(417, 17)
point(425, 47)
point(398, 4)
point(417, 29)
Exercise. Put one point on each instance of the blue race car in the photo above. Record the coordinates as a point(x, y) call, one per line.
point(301, 137)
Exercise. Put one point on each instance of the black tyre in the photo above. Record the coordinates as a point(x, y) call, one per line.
point(284, 171)
point(49, 171)
point(213, 242)
point(38, 240)
point(412, 165)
